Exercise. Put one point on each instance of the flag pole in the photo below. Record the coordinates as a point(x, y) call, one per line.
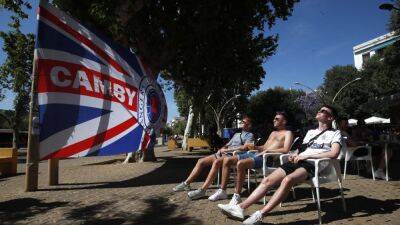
point(32, 158)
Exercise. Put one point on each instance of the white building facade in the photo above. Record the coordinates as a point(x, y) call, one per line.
point(364, 51)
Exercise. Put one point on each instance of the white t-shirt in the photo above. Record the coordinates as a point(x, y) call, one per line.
point(323, 143)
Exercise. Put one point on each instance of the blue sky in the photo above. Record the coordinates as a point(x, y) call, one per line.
point(319, 35)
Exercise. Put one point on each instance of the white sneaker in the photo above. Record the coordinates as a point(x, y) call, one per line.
point(196, 194)
point(235, 199)
point(233, 211)
point(220, 194)
point(255, 218)
point(380, 174)
point(181, 187)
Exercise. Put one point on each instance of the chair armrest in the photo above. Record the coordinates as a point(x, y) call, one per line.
point(284, 158)
point(316, 162)
point(269, 154)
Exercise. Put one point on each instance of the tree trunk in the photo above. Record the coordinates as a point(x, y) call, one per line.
point(188, 128)
point(15, 128)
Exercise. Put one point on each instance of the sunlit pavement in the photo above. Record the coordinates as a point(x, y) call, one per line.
point(101, 190)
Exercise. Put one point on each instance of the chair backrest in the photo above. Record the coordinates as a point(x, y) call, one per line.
point(343, 151)
point(295, 144)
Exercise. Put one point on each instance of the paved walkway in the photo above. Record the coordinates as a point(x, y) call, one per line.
point(101, 190)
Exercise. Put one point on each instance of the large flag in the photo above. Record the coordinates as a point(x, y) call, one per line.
point(95, 97)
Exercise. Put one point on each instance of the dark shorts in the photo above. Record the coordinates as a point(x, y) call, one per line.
point(291, 167)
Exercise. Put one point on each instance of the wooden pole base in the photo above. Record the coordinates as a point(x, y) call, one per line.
point(53, 171)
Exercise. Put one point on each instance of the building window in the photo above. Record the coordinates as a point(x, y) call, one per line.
point(365, 57)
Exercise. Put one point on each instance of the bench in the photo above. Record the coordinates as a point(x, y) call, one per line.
point(197, 143)
point(172, 144)
point(8, 161)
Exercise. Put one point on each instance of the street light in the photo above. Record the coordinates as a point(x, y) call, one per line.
point(217, 116)
point(388, 6)
point(337, 93)
point(320, 97)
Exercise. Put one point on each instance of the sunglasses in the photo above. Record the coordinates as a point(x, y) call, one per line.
point(277, 118)
point(324, 111)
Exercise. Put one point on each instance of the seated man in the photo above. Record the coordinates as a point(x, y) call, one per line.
point(279, 141)
point(239, 142)
point(323, 142)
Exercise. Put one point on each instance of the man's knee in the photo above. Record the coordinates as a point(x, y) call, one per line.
point(241, 166)
point(227, 161)
point(266, 181)
point(288, 181)
point(218, 162)
point(201, 162)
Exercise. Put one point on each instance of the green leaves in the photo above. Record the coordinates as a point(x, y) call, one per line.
point(203, 46)
point(380, 77)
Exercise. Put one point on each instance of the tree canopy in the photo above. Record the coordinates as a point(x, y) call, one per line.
point(263, 106)
point(202, 46)
point(15, 72)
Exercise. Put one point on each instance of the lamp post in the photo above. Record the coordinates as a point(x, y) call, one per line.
point(388, 6)
point(217, 115)
point(320, 97)
point(340, 90)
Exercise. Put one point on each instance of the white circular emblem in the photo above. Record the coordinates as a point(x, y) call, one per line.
point(151, 105)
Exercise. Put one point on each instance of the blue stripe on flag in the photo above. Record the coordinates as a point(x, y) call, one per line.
point(128, 143)
point(50, 38)
point(123, 52)
point(58, 117)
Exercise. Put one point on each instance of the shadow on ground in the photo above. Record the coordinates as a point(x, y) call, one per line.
point(173, 171)
point(157, 211)
point(357, 206)
point(21, 209)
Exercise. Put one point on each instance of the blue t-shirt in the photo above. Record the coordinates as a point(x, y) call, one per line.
point(240, 139)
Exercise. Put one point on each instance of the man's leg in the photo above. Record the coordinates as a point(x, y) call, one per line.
point(237, 211)
point(213, 172)
point(267, 183)
point(221, 194)
point(242, 167)
point(201, 163)
point(226, 166)
point(299, 175)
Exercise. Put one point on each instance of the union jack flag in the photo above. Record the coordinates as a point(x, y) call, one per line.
point(95, 97)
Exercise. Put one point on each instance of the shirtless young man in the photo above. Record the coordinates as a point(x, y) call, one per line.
point(239, 142)
point(279, 141)
point(323, 142)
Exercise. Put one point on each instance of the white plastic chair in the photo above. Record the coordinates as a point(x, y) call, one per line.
point(266, 170)
point(326, 171)
point(349, 155)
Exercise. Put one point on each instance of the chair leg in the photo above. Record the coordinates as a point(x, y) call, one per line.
point(386, 163)
point(313, 195)
point(358, 168)
point(345, 169)
point(248, 181)
point(318, 205)
point(342, 196)
point(218, 177)
point(372, 169)
point(293, 193)
point(265, 199)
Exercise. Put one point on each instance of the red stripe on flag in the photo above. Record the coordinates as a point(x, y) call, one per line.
point(145, 142)
point(46, 14)
point(92, 141)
